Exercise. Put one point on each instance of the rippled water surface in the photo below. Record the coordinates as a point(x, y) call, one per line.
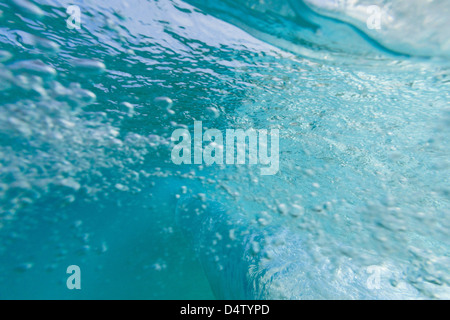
point(86, 176)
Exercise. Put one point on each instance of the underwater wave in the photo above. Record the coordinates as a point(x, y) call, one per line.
point(327, 28)
point(86, 176)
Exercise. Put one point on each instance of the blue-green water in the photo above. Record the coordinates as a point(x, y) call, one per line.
point(86, 117)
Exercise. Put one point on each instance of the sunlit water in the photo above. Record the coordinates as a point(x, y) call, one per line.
point(87, 179)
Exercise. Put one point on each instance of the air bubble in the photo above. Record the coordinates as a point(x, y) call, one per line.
point(121, 187)
point(255, 247)
point(89, 66)
point(282, 209)
point(297, 210)
point(33, 67)
point(127, 108)
point(164, 103)
point(212, 112)
point(27, 7)
point(24, 267)
point(5, 55)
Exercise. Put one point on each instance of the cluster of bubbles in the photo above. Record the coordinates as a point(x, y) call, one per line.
point(86, 118)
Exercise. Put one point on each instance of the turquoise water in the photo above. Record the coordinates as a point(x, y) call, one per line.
point(86, 117)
